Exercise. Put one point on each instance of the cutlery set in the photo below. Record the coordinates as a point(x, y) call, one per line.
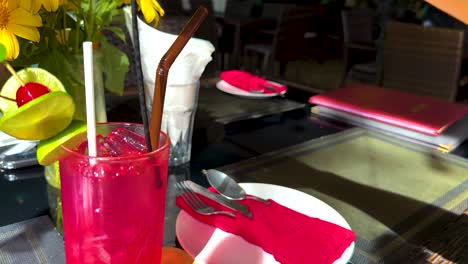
point(228, 193)
point(228, 187)
point(197, 204)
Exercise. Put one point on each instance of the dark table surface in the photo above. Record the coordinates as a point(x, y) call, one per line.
point(23, 192)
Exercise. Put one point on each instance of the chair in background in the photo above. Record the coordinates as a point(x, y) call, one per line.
point(333, 29)
point(208, 30)
point(271, 10)
point(422, 60)
point(231, 23)
point(239, 8)
point(297, 36)
point(359, 48)
point(263, 30)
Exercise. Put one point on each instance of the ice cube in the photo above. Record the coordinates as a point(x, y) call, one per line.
point(83, 147)
point(102, 149)
point(121, 142)
point(115, 149)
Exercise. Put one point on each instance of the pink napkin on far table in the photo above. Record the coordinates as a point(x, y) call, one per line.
point(291, 237)
point(249, 82)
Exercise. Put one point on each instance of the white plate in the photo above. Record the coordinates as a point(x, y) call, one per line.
point(210, 245)
point(230, 89)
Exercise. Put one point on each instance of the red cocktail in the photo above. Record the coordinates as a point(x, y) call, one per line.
point(113, 206)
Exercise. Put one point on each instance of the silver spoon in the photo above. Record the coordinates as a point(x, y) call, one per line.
point(227, 186)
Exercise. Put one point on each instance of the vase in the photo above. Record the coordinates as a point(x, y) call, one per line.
point(74, 84)
point(52, 176)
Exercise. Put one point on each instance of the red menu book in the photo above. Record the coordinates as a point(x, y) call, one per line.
point(423, 114)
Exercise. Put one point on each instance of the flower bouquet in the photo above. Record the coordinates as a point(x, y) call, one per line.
point(49, 33)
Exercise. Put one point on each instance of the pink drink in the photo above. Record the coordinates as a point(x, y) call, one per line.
point(113, 207)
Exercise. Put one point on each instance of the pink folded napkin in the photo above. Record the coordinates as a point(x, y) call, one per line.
point(249, 82)
point(291, 237)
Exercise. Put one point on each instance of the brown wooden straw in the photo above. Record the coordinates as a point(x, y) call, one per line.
point(163, 70)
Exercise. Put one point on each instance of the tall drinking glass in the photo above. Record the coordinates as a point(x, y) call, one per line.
point(113, 207)
point(180, 106)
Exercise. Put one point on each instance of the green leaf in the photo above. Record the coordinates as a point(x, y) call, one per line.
point(119, 32)
point(118, 17)
point(2, 52)
point(115, 67)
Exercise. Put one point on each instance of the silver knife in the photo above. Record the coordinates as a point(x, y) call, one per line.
point(268, 87)
point(220, 199)
point(271, 88)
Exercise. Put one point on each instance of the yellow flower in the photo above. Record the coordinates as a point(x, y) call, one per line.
point(35, 5)
point(32, 6)
point(52, 5)
point(151, 10)
point(16, 21)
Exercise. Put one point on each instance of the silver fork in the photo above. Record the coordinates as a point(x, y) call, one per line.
point(197, 204)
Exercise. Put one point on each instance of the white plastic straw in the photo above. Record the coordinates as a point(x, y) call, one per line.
point(89, 93)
